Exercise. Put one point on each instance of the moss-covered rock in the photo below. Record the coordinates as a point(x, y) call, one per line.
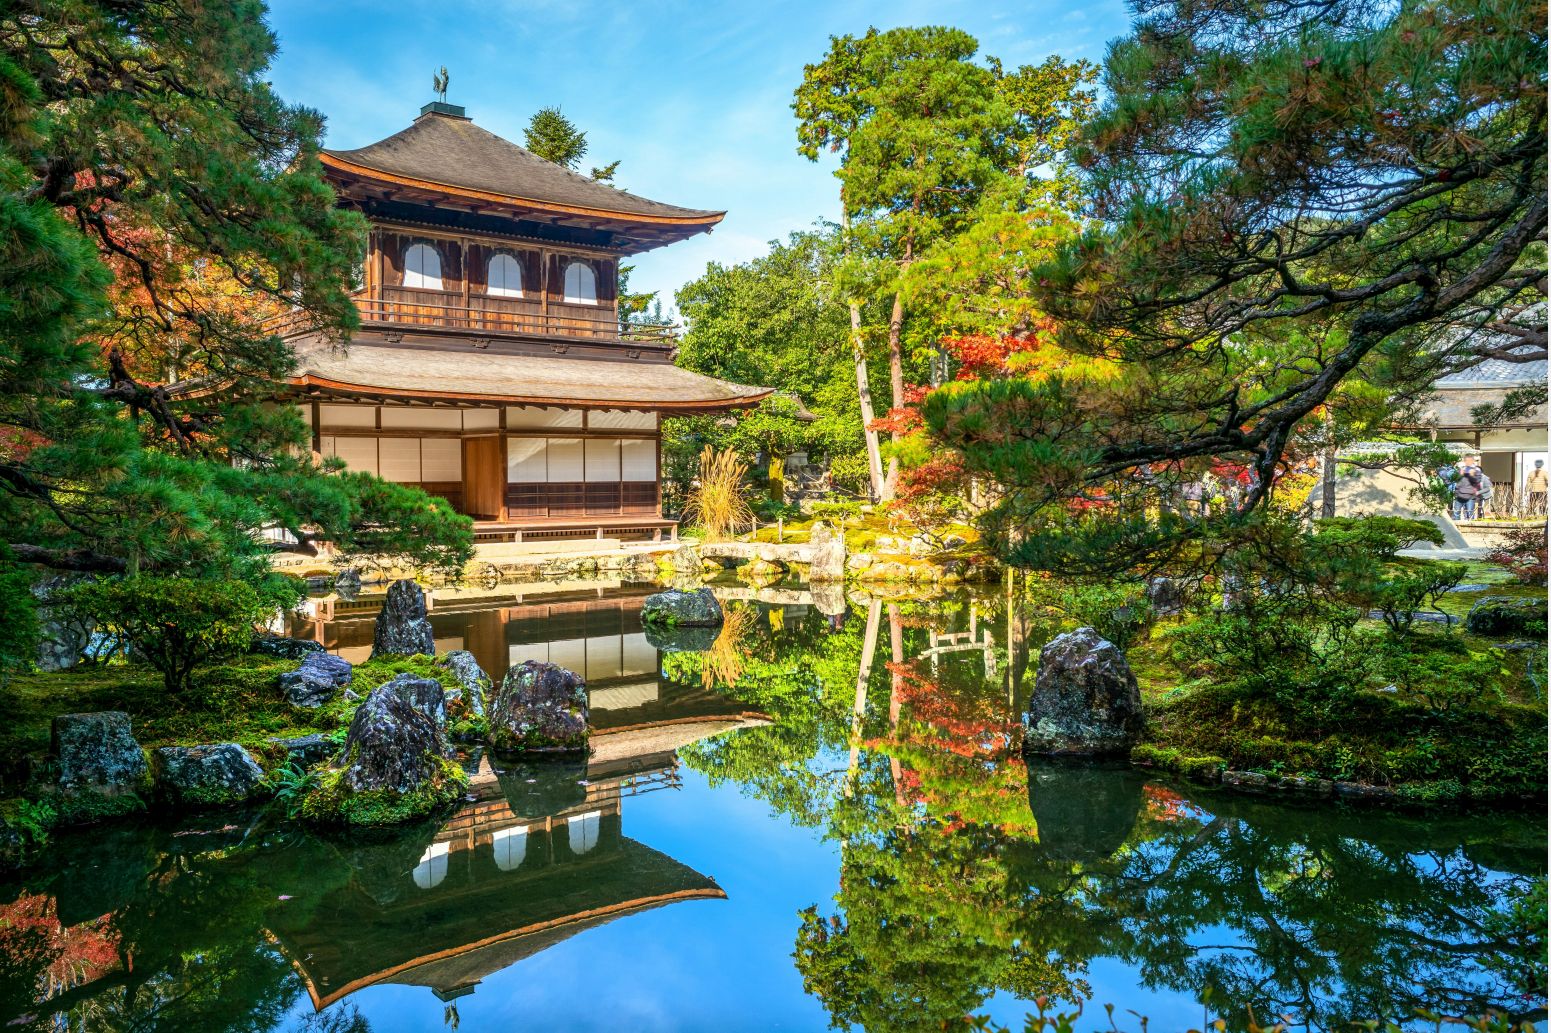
point(474, 685)
point(212, 775)
point(541, 707)
point(674, 608)
point(1504, 615)
point(392, 769)
point(334, 803)
point(96, 769)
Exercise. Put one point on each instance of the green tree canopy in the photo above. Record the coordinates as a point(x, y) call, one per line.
point(162, 204)
point(924, 130)
point(1287, 198)
point(555, 138)
point(776, 322)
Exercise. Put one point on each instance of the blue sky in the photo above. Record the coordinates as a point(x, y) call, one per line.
point(694, 98)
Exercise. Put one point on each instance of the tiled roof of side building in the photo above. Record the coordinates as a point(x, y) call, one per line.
point(451, 151)
point(1495, 373)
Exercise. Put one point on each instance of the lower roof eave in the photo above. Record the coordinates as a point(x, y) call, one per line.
point(312, 385)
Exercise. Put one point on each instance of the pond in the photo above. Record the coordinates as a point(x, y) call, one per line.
point(818, 817)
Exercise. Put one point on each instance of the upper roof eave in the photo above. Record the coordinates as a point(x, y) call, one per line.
point(695, 218)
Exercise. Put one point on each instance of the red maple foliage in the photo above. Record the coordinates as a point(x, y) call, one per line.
point(77, 954)
point(980, 355)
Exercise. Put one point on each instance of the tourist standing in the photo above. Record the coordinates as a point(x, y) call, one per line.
point(1467, 487)
point(1535, 485)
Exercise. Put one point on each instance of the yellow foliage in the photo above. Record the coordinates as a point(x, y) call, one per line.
point(715, 503)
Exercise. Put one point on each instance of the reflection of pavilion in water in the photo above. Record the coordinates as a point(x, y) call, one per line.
point(539, 854)
point(594, 631)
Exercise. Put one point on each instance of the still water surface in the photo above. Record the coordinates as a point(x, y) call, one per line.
point(816, 816)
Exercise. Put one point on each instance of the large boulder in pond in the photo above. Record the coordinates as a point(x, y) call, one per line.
point(476, 684)
point(315, 681)
point(212, 775)
point(1085, 698)
point(827, 560)
point(676, 639)
point(1504, 615)
point(96, 768)
point(390, 771)
point(541, 707)
point(675, 608)
point(426, 695)
point(403, 628)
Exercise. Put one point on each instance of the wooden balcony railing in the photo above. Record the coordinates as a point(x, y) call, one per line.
point(486, 314)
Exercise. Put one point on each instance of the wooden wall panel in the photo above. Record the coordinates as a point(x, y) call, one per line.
point(479, 266)
point(392, 246)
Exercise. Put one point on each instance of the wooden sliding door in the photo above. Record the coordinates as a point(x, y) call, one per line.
point(484, 478)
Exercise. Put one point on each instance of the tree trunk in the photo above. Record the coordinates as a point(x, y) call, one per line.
point(864, 394)
point(896, 380)
point(859, 708)
point(1327, 474)
point(1327, 502)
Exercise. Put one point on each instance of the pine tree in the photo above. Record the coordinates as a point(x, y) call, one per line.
point(160, 204)
point(555, 138)
point(1296, 208)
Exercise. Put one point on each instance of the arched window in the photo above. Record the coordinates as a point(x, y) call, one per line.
point(581, 284)
point(423, 267)
point(504, 277)
point(582, 831)
point(510, 847)
point(432, 868)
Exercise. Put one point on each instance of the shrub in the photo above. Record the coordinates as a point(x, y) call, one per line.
point(19, 630)
point(1523, 553)
point(1411, 584)
point(174, 624)
point(1120, 613)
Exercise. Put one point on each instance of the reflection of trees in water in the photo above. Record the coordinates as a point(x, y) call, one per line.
point(186, 913)
point(948, 895)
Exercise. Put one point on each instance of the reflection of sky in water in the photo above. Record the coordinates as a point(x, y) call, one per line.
point(699, 965)
point(727, 965)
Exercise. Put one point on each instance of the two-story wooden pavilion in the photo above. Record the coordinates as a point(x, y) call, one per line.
point(492, 366)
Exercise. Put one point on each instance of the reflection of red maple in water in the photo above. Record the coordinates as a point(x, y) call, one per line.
point(1164, 804)
point(958, 754)
point(78, 953)
point(977, 726)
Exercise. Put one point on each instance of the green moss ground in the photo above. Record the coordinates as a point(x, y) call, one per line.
point(239, 701)
point(1429, 747)
point(1484, 752)
point(328, 806)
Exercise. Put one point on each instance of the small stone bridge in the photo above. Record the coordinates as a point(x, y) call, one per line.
point(824, 553)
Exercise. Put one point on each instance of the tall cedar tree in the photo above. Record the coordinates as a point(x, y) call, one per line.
point(1290, 198)
point(923, 130)
point(159, 204)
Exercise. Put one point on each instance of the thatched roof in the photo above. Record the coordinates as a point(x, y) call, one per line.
point(411, 371)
